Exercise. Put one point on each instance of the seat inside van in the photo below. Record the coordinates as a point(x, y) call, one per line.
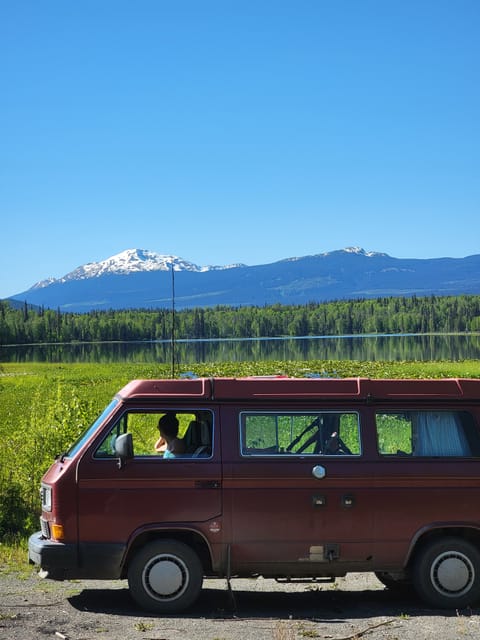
point(198, 439)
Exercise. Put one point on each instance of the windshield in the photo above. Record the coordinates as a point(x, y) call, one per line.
point(91, 430)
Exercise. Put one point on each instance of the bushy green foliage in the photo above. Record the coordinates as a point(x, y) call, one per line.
point(15, 514)
point(31, 437)
point(44, 407)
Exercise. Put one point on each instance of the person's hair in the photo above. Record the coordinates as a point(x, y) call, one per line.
point(168, 425)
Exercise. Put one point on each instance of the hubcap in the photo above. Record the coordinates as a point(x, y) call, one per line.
point(452, 574)
point(165, 577)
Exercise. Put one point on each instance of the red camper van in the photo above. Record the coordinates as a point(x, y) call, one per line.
point(287, 478)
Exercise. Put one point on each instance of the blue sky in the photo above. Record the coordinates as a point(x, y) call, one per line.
point(236, 131)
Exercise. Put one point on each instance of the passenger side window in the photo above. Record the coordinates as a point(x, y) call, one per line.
point(427, 433)
point(195, 432)
point(326, 433)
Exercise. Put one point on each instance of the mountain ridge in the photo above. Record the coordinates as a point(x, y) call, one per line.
point(138, 278)
point(129, 261)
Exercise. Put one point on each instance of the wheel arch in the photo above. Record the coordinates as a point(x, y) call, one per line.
point(191, 537)
point(424, 537)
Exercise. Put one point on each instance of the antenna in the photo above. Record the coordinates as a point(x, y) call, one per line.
point(173, 321)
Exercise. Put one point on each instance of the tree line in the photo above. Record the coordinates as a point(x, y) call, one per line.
point(430, 314)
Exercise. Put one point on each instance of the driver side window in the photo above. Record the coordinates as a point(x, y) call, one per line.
point(195, 434)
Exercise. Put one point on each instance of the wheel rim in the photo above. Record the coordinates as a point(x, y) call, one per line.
point(452, 574)
point(165, 577)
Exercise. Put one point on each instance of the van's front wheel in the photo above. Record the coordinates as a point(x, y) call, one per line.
point(447, 573)
point(165, 576)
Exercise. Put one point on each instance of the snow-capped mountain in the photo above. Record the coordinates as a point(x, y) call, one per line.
point(352, 250)
point(127, 262)
point(141, 279)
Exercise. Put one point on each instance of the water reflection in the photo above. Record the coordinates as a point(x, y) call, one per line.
point(369, 348)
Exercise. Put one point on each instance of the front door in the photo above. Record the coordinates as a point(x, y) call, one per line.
point(150, 491)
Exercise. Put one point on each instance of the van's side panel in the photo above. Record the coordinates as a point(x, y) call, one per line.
point(416, 496)
point(284, 521)
point(412, 496)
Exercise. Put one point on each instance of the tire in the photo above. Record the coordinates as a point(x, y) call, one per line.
point(165, 576)
point(398, 582)
point(447, 573)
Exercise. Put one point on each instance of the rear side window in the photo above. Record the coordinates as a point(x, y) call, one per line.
point(427, 433)
point(326, 433)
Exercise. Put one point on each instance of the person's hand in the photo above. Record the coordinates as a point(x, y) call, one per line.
point(160, 445)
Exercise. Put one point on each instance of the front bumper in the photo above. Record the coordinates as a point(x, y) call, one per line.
point(60, 561)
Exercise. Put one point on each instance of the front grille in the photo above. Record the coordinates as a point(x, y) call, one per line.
point(45, 527)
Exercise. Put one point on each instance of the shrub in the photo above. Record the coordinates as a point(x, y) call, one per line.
point(15, 513)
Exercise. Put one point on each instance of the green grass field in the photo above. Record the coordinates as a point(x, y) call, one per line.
point(44, 407)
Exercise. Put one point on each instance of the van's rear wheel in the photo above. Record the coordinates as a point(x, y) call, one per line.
point(165, 576)
point(447, 573)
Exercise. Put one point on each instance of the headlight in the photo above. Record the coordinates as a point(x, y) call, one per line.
point(46, 494)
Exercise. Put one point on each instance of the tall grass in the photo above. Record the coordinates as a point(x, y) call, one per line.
point(44, 407)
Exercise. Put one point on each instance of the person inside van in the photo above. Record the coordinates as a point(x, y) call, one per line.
point(169, 442)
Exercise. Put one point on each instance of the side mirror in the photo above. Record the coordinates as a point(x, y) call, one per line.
point(124, 449)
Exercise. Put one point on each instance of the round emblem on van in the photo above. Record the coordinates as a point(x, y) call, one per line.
point(214, 527)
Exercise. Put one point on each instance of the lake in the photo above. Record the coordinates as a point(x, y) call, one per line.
point(365, 347)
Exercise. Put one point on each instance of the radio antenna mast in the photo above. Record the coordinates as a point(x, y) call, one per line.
point(173, 321)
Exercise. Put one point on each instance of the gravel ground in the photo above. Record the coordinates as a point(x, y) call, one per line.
point(352, 608)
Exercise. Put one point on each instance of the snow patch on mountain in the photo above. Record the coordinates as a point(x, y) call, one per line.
point(131, 261)
point(361, 252)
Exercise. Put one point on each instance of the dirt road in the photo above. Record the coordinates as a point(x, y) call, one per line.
point(352, 608)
